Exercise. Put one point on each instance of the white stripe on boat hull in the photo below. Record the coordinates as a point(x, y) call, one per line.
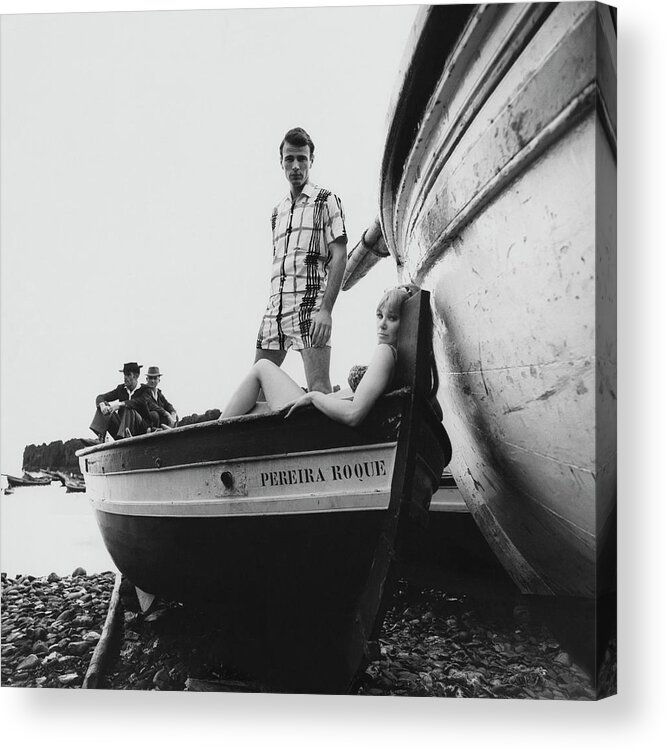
point(338, 480)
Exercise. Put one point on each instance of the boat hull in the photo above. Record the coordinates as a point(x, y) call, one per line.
point(498, 196)
point(281, 589)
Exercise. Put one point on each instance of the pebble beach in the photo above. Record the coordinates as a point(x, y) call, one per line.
point(50, 627)
point(432, 644)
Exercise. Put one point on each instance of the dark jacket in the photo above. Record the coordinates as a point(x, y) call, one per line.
point(159, 404)
point(120, 393)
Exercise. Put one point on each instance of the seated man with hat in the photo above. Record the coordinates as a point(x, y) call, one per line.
point(162, 413)
point(118, 411)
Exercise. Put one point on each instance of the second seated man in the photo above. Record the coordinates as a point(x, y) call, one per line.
point(162, 412)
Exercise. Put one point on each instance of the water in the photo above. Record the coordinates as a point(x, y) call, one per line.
point(45, 529)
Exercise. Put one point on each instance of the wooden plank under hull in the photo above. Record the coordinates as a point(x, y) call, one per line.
point(498, 195)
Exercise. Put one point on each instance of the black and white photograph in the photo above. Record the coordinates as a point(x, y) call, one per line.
point(309, 352)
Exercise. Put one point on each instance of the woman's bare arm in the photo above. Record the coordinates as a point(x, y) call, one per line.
point(371, 387)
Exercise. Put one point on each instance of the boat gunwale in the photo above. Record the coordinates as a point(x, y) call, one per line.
point(264, 418)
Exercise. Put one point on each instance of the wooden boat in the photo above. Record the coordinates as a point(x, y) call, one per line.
point(54, 476)
point(27, 480)
point(286, 529)
point(75, 485)
point(498, 195)
point(61, 477)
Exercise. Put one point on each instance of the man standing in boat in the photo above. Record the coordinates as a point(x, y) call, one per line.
point(309, 258)
point(118, 412)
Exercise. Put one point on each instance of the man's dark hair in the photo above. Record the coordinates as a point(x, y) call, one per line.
point(297, 137)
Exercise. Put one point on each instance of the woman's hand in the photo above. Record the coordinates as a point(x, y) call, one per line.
point(304, 400)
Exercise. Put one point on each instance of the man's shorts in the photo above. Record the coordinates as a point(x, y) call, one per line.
point(287, 328)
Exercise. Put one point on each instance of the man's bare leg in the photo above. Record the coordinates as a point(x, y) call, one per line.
point(276, 356)
point(317, 363)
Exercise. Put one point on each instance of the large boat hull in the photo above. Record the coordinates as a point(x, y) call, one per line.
point(498, 196)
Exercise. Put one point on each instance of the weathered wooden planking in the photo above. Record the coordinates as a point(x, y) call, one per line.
point(488, 200)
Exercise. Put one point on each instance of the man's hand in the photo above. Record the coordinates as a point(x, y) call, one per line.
point(104, 408)
point(171, 420)
point(322, 324)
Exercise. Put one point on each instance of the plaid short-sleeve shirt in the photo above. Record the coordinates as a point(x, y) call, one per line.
point(302, 232)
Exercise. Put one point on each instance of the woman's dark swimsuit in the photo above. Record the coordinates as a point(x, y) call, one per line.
point(358, 371)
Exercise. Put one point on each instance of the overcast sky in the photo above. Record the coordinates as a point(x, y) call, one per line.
point(139, 169)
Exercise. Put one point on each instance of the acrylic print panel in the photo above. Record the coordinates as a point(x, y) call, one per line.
point(150, 172)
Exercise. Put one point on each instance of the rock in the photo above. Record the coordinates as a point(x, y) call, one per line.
point(68, 679)
point(82, 621)
point(67, 661)
point(78, 648)
point(39, 647)
point(53, 578)
point(161, 678)
point(79, 572)
point(563, 658)
point(66, 615)
point(74, 594)
point(30, 662)
point(130, 617)
point(155, 615)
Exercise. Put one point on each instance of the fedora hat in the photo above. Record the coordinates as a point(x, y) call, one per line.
point(153, 372)
point(131, 367)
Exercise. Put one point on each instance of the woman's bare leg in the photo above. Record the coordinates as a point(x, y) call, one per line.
point(278, 387)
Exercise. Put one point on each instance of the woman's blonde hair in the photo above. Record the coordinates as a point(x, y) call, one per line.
point(394, 298)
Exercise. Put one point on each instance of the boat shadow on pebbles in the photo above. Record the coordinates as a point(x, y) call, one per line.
point(170, 647)
point(438, 645)
point(433, 645)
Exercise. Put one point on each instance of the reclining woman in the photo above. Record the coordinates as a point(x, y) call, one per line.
point(281, 390)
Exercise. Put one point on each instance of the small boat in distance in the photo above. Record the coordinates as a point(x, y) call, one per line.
point(27, 480)
point(286, 530)
point(73, 484)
